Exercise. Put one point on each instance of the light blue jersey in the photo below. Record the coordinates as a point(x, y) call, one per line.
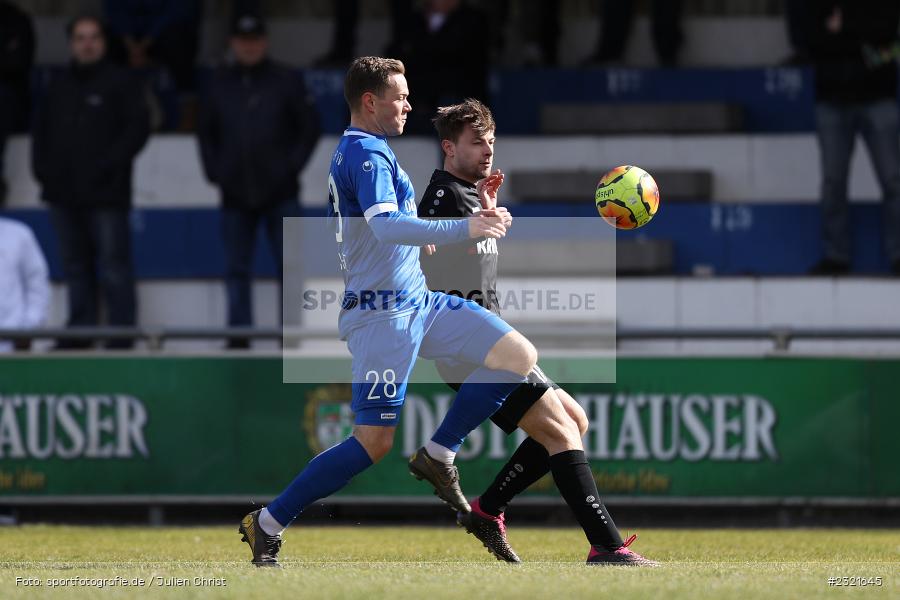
point(382, 280)
point(388, 316)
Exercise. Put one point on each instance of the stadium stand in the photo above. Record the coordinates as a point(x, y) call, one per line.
point(730, 138)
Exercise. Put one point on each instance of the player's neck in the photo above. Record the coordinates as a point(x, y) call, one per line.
point(360, 122)
point(457, 174)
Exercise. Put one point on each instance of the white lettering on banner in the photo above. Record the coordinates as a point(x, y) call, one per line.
point(631, 434)
point(72, 426)
point(722, 426)
point(417, 419)
point(658, 420)
point(692, 422)
point(759, 420)
point(663, 427)
point(10, 438)
point(97, 426)
point(33, 426)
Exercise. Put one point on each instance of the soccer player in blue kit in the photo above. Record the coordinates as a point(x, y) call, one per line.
point(389, 317)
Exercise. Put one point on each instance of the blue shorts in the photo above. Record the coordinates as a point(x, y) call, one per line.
point(384, 352)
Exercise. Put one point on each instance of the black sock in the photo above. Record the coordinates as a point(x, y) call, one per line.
point(576, 484)
point(528, 463)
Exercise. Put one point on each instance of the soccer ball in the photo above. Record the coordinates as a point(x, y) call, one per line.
point(627, 197)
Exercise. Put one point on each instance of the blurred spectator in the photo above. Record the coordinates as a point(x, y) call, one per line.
point(540, 25)
point(257, 130)
point(23, 279)
point(148, 32)
point(16, 56)
point(446, 50)
point(797, 21)
point(616, 18)
point(343, 39)
point(245, 7)
point(90, 126)
point(345, 27)
point(853, 97)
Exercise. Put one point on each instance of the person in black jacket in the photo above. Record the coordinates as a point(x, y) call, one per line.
point(616, 18)
point(257, 130)
point(16, 56)
point(90, 126)
point(856, 92)
point(446, 50)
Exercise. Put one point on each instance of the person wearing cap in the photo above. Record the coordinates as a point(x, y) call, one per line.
point(257, 129)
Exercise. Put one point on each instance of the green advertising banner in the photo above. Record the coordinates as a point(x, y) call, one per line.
point(227, 426)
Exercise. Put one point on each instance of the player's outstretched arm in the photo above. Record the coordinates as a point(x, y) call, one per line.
point(491, 223)
point(395, 227)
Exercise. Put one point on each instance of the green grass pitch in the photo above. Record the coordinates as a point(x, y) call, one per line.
point(431, 563)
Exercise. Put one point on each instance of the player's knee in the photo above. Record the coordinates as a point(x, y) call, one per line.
point(577, 414)
point(379, 448)
point(513, 353)
point(582, 422)
point(570, 434)
point(574, 410)
point(377, 441)
point(551, 426)
point(558, 435)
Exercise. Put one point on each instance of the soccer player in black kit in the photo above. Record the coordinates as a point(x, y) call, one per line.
point(463, 187)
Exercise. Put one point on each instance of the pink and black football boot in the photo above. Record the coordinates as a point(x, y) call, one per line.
point(490, 530)
point(620, 556)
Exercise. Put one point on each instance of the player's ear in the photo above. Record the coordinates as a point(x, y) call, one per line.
point(448, 147)
point(368, 101)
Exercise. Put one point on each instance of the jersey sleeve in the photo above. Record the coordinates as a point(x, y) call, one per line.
point(375, 184)
point(441, 202)
point(398, 228)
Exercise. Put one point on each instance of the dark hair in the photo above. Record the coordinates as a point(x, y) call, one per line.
point(451, 120)
point(70, 26)
point(369, 74)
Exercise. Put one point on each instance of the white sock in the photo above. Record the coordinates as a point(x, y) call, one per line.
point(440, 453)
point(269, 524)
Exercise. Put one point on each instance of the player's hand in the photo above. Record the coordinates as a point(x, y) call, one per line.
point(491, 223)
point(429, 249)
point(499, 211)
point(488, 187)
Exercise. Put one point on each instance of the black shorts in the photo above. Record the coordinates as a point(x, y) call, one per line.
point(516, 404)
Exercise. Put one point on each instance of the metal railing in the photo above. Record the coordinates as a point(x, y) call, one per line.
point(156, 337)
point(781, 337)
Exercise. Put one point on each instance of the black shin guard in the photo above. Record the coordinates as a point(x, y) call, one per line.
point(576, 484)
point(528, 463)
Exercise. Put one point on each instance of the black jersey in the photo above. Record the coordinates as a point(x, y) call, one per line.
point(467, 269)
